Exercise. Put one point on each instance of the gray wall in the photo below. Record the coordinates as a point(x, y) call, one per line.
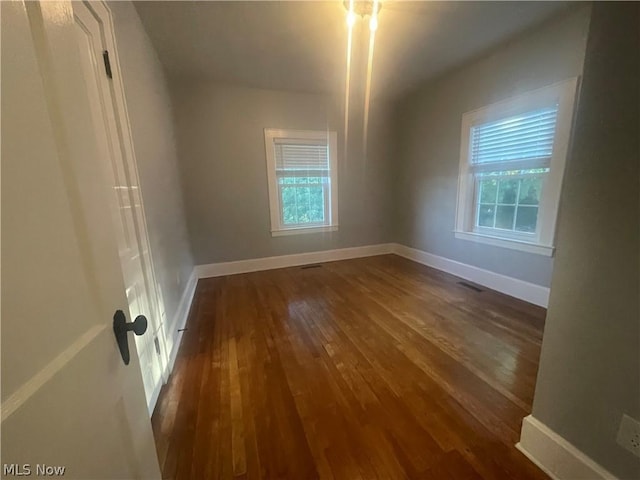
point(590, 363)
point(428, 140)
point(149, 107)
point(222, 158)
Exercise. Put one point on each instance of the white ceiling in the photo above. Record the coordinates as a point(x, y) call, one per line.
point(301, 46)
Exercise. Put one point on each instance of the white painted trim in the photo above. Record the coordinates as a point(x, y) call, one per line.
point(283, 261)
point(121, 140)
point(155, 394)
point(512, 244)
point(131, 163)
point(514, 287)
point(564, 94)
point(177, 340)
point(303, 230)
point(275, 212)
point(180, 319)
point(554, 455)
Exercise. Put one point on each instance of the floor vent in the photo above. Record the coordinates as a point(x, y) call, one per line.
point(310, 266)
point(470, 287)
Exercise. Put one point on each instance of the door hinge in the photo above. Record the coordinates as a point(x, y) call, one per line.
point(107, 63)
point(156, 342)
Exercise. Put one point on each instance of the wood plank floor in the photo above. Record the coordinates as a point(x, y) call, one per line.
point(359, 369)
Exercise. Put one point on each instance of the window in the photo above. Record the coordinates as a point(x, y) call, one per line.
point(511, 165)
point(302, 172)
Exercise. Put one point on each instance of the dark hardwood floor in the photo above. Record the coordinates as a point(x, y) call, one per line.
point(360, 369)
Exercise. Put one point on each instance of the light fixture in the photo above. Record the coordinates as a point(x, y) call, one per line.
point(351, 18)
point(362, 7)
point(373, 23)
point(373, 26)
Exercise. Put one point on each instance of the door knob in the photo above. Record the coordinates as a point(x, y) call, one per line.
point(120, 329)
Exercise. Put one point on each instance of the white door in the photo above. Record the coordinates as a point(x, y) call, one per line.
point(68, 400)
point(102, 76)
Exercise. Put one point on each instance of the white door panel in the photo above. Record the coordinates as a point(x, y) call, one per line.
point(67, 397)
point(93, 28)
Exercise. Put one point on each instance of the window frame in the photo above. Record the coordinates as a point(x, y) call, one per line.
point(542, 241)
point(278, 227)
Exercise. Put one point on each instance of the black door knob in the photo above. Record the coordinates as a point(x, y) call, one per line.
point(120, 329)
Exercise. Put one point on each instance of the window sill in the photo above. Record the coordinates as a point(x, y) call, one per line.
point(536, 248)
point(302, 230)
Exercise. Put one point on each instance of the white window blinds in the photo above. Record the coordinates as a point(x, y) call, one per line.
point(300, 157)
point(527, 137)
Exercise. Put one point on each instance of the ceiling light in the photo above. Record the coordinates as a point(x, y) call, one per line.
point(373, 23)
point(362, 7)
point(351, 19)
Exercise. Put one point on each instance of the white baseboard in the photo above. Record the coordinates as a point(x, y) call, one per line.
point(283, 261)
point(154, 397)
point(529, 292)
point(180, 319)
point(555, 456)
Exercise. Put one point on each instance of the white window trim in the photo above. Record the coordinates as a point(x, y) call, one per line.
point(301, 230)
point(277, 228)
point(507, 243)
point(542, 242)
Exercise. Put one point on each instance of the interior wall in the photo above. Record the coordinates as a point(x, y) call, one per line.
point(150, 115)
point(222, 158)
point(428, 124)
point(590, 362)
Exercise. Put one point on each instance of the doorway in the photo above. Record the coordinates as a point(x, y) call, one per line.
point(108, 109)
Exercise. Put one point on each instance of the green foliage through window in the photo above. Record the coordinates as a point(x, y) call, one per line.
point(509, 200)
point(303, 199)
